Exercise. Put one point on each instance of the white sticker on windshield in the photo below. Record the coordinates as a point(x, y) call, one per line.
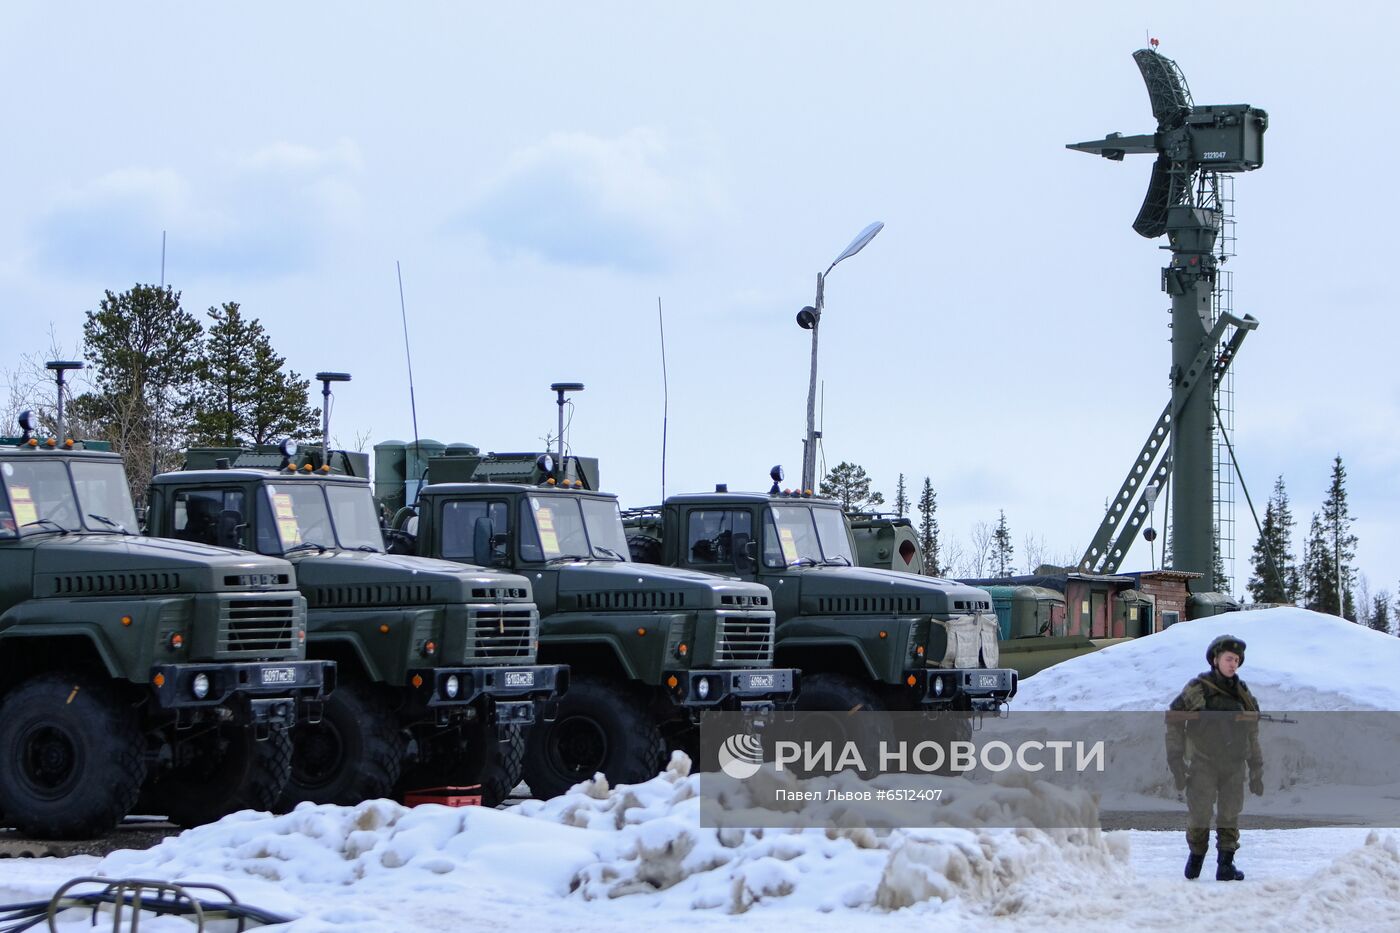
point(549, 540)
point(286, 519)
point(789, 545)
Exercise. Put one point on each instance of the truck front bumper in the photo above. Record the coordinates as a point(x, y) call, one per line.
point(956, 688)
point(509, 694)
point(743, 689)
point(260, 693)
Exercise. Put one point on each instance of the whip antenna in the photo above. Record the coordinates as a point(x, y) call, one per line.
point(665, 396)
point(403, 312)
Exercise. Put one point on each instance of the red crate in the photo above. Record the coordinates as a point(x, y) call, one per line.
point(447, 796)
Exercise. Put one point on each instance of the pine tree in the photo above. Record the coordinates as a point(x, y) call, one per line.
point(143, 348)
point(1319, 570)
point(1380, 612)
point(901, 498)
point(225, 376)
point(848, 483)
point(1276, 581)
point(1002, 548)
point(1336, 525)
point(928, 529)
point(244, 395)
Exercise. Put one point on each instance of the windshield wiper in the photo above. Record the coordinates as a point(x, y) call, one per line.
point(608, 552)
point(566, 557)
point(107, 521)
point(803, 562)
point(57, 529)
point(306, 545)
point(368, 547)
point(840, 560)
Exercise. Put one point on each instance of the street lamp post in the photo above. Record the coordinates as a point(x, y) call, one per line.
point(809, 318)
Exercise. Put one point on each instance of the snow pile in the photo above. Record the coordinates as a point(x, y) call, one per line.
point(1294, 660)
point(603, 844)
point(1360, 884)
point(659, 847)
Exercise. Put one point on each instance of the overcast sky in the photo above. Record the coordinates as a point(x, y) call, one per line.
point(545, 172)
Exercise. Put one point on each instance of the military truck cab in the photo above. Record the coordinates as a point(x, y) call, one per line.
point(865, 637)
point(650, 647)
point(128, 663)
point(437, 660)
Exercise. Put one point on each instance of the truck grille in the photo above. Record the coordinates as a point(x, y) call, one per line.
point(744, 640)
point(502, 634)
point(257, 626)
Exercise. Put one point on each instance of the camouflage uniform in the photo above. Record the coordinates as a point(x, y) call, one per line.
point(1217, 746)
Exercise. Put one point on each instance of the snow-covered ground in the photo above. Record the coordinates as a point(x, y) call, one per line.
point(603, 858)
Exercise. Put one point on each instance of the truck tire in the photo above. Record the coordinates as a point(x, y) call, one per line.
point(837, 692)
point(71, 756)
point(841, 694)
point(600, 726)
point(354, 753)
point(221, 772)
point(480, 757)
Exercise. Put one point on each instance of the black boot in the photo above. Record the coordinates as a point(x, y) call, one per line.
point(1225, 869)
point(1194, 861)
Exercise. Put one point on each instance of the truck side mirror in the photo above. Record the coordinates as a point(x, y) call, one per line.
point(482, 533)
point(745, 551)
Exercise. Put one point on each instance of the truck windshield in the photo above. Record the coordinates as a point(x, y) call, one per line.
point(105, 497)
point(356, 524)
point(42, 497)
point(795, 535)
point(555, 527)
point(301, 516)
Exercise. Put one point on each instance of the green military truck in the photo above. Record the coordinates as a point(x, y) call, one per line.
point(437, 661)
point(650, 647)
point(130, 663)
point(863, 637)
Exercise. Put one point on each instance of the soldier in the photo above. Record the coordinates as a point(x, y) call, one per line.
point(1209, 743)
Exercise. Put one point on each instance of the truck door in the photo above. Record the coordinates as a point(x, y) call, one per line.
point(217, 516)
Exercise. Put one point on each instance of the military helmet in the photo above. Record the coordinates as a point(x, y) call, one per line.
point(1225, 643)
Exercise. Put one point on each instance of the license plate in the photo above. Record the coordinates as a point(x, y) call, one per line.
point(989, 680)
point(278, 675)
point(762, 681)
point(520, 678)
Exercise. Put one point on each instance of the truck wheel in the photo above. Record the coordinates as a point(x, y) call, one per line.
point(354, 753)
point(71, 757)
point(221, 772)
point(837, 692)
point(840, 693)
point(600, 727)
point(477, 757)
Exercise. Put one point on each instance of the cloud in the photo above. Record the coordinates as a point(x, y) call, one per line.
point(628, 202)
point(262, 214)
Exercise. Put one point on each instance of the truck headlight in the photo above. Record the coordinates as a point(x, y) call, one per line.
point(200, 686)
point(451, 686)
point(938, 686)
point(702, 689)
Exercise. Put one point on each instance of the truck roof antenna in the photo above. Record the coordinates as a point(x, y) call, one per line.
point(560, 388)
point(58, 368)
point(326, 379)
point(665, 396)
